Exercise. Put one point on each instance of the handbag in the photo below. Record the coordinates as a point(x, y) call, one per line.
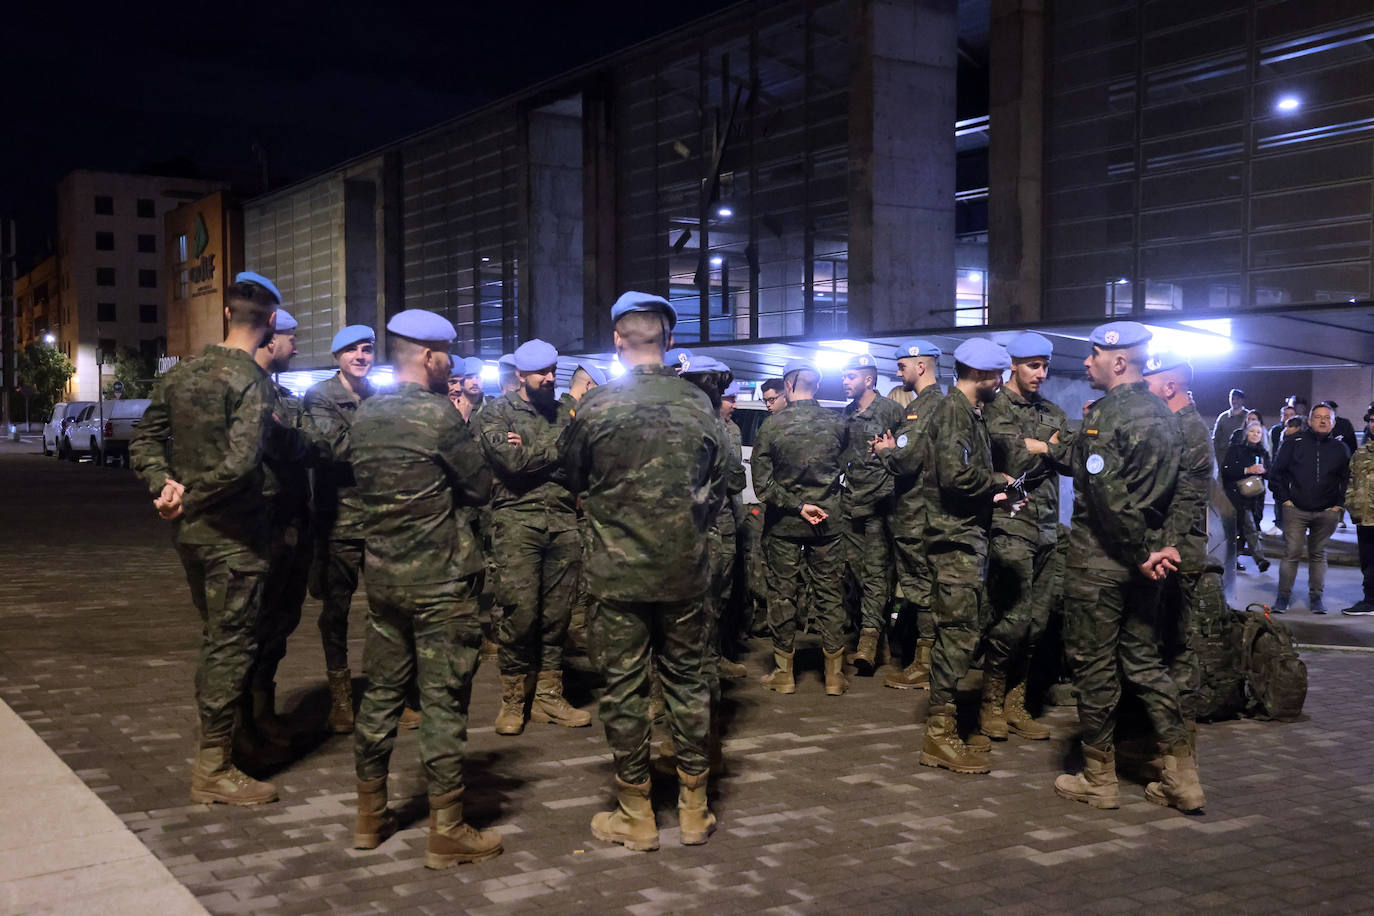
point(1250, 486)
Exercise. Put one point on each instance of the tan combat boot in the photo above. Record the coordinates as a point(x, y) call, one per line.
point(917, 674)
point(410, 719)
point(1019, 720)
point(696, 820)
point(631, 824)
point(941, 746)
point(215, 779)
point(511, 719)
point(551, 707)
point(490, 650)
point(866, 656)
point(781, 679)
point(835, 681)
point(1178, 785)
point(451, 840)
point(991, 720)
point(375, 823)
point(732, 670)
point(340, 701)
point(1096, 785)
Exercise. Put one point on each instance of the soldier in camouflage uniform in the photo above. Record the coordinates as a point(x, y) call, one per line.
point(867, 504)
point(1022, 545)
point(797, 462)
point(1359, 502)
point(648, 455)
point(416, 464)
point(465, 386)
point(1125, 463)
point(292, 547)
point(200, 448)
point(730, 527)
point(903, 454)
point(330, 407)
point(961, 489)
point(584, 378)
point(534, 541)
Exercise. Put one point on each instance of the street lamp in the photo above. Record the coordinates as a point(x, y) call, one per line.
point(49, 339)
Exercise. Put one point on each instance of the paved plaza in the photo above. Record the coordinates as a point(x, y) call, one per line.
point(823, 809)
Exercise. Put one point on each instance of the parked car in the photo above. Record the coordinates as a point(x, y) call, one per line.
point(106, 437)
point(64, 413)
point(75, 438)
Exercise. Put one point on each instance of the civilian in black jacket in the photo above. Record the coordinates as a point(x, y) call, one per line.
point(1247, 458)
point(1309, 476)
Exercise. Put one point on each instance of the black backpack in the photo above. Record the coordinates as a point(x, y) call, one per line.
point(1216, 644)
point(1275, 678)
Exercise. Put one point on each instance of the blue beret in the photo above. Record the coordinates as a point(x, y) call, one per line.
point(596, 373)
point(473, 366)
point(285, 321)
point(677, 357)
point(506, 361)
point(797, 365)
point(536, 354)
point(704, 364)
point(917, 348)
point(643, 302)
point(1028, 344)
point(1117, 335)
point(731, 390)
point(982, 354)
point(247, 276)
point(422, 325)
point(354, 333)
point(1164, 361)
point(455, 366)
point(861, 361)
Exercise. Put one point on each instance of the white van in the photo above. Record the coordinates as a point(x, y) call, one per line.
point(749, 416)
point(110, 438)
point(64, 413)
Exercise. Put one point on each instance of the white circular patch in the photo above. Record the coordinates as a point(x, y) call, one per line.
point(1095, 464)
point(914, 351)
point(1111, 337)
point(901, 441)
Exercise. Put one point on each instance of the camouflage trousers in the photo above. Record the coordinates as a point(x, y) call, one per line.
point(283, 594)
point(959, 608)
point(868, 560)
point(1020, 592)
point(1178, 629)
point(430, 635)
point(816, 565)
point(916, 577)
point(1111, 635)
point(755, 577)
point(622, 637)
point(226, 583)
point(535, 588)
point(333, 580)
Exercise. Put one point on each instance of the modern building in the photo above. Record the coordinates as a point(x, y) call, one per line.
point(203, 251)
point(103, 289)
point(820, 176)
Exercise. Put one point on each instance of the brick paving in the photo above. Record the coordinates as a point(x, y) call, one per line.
point(824, 808)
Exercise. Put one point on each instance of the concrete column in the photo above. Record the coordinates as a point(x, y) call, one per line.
point(1016, 129)
point(555, 226)
point(901, 164)
point(360, 252)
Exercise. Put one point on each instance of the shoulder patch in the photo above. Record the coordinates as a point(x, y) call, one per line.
point(1095, 464)
point(1090, 432)
point(913, 416)
point(572, 412)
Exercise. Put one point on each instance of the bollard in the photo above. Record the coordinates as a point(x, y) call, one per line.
point(14, 433)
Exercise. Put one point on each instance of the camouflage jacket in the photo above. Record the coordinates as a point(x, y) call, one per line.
point(1222, 429)
point(907, 462)
point(530, 477)
point(734, 482)
point(960, 482)
point(1186, 524)
point(867, 484)
point(1359, 494)
point(288, 482)
point(416, 464)
point(1011, 419)
point(1125, 470)
point(330, 408)
point(648, 454)
point(798, 459)
point(209, 426)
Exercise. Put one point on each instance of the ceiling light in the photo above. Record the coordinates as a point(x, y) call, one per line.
point(847, 345)
point(717, 260)
point(49, 339)
point(831, 359)
point(1288, 103)
point(490, 373)
point(975, 276)
point(725, 212)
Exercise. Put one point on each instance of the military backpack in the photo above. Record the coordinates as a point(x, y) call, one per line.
point(1216, 644)
point(1275, 678)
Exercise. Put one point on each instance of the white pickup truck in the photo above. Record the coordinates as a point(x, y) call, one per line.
point(106, 439)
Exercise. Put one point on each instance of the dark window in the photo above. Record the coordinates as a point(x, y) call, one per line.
point(105, 311)
point(147, 278)
point(107, 349)
point(147, 314)
point(104, 276)
point(152, 349)
point(104, 241)
point(104, 205)
point(147, 244)
point(146, 208)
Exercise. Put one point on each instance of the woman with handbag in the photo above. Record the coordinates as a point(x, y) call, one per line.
point(1243, 474)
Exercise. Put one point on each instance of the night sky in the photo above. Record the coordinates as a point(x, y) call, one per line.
point(193, 86)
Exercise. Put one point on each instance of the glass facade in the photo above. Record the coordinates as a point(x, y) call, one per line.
point(1208, 155)
point(732, 163)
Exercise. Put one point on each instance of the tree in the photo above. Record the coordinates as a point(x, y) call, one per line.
point(135, 370)
point(47, 370)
